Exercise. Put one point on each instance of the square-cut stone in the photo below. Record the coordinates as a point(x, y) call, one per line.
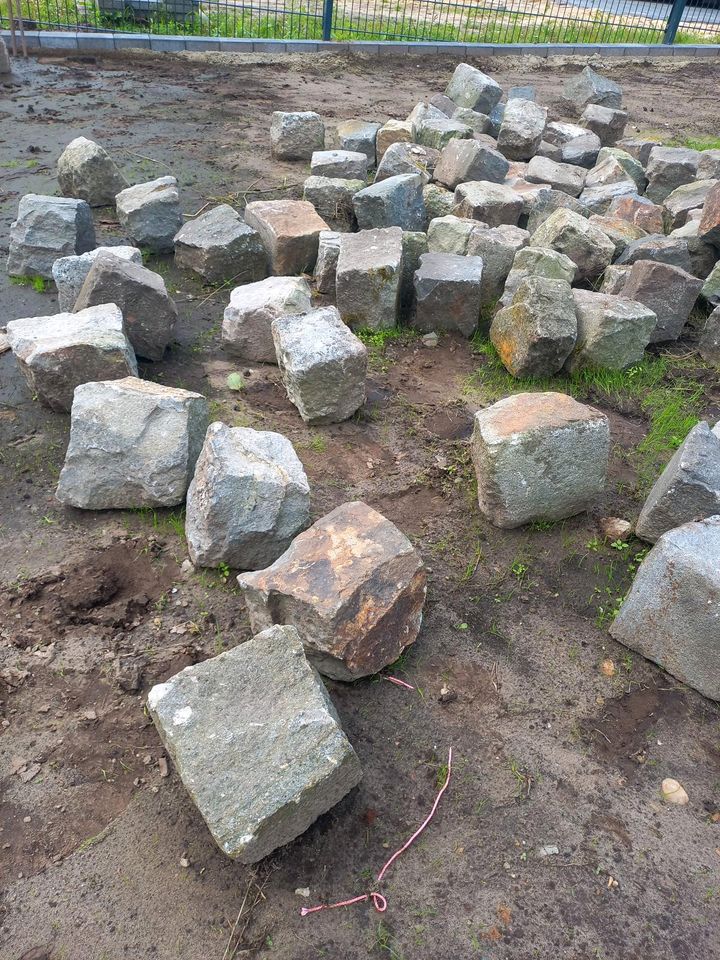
point(588, 247)
point(538, 456)
point(521, 130)
point(613, 332)
point(392, 202)
point(220, 247)
point(257, 743)
point(327, 259)
point(401, 158)
point(345, 164)
point(368, 276)
point(606, 122)
point(669, 168)
point(69, 273)
point(332, 197)
point(289, 230)
point(470, 87)
point(86, 171)
point(359, 136)
point(47, 228)
point(151, 213)
point(493, 203)
point(296, 136)
point(133, 443)
point(351, 584)
point(437, 133)
point(465, 160)
point(394, 131)
point(671, 293)
point(447, 293)
point(247, 321)
point(323, 365)
point(566, 177)
point(57, 353)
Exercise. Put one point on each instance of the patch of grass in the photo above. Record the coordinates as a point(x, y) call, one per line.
point(37, 283)
point(703, 143)
point(377, 342)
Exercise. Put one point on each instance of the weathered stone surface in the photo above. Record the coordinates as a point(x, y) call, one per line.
point(394, 131)
point(709, 229)
point(521, 129)
point(438, 133)
point(87, 172)
point(549, 151)
point(46, 229)
point(703, 256)
point(439, 202)
point(296, 136)
point(588, 247)
point(591, 87)
point(536, 262)
point(289, 230)
point(671, 250)
point(607, 122)
point(247, 321)
point(394, 202)
point(710, 291)
point(57, 353)
point(345, 164)
point(249, 497)
point(671, 614)
point(598, 200)
point(403, 158)
point(424, 111)
point(535, 334)
point(640, 211)
point(497, 247)
point(493, 203)
point(668, 168)
point(687, 489)
point(632, 167)
point(582, 151)
point(368, 278)
point(565, 177)
point(359, 136)
point(283, 759)
point(614, 279)
point(414, 245)
point(332, 197)
point(465, 160)
point(450, 234)
point(478, 122)
point(683, 199)
point(612, 331)
point(607, 170)
point(133, 443)
point(69, 273)
point(559, 132)
point(669, 292)
point(472, 88)
point(639, 149)
point(351, 584)
point(709, 165)
point(620, 231)
point(547, 202)
point(447, 293)
point(538, 456)
point(148, 311)
point(219, 246)
point(442, 103)
point(326, 264)
point(151, 214)
point(323, 365)
point(709, 342)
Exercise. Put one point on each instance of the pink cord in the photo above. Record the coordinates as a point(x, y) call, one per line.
point(379, 902)
point(398, 683)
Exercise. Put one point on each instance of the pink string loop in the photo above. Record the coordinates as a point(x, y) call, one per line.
point(379, 901)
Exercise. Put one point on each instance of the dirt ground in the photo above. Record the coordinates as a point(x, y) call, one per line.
point(104, 858)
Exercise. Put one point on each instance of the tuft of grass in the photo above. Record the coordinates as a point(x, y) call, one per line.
point(37, 283)
point(703, 143)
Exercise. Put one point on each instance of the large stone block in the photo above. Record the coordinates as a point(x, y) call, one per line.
point(478, 122)
point(709, 165)
point(547, 202)
point(599, 199)
point(290, 231)
point(248, 499)
point(332, 197)
point(668, 168)
point(403, 158)
point(559, 132)
point(296, 136)
point(69, 273)
point(493, 203)
point(151, 214)
point(133, 443)
point(247, 321)
point(687, 489)
point(587, 246)
point(450, 234)
point(219, 246)
point(497, 247)
point(57, 353)
point(591, 87)
point(685, 198)
point(351, 584)
point(566, 177)
point(538, 456)
point(521, 129)
point(607, 122)
point(345, 164)
point(632, 167)
point(326, 264)
point(536, 262)
point(88, 172)
point(639, 211)
point(148, 311)
point(323, 365)
point(620, 231)
point(709, 229)
point(439, 202)
point(359, 136)
point(464, 160)
point(536, 333)
point(394, 202)
point(671, 614)
point(46, 229)
point(639, 149)
point(613, 332)
point(282, 759)
point(582, 151)
point(674, 251)
point(447, 293)
point(394, 131)
point(472, 88)
point(668, 291)
point(436, 134)
point(614, 279)
point(367, 282)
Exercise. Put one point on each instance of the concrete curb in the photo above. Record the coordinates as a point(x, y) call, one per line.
point(100, 42)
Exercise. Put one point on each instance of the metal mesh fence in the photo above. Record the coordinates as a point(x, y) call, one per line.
point(487, 21)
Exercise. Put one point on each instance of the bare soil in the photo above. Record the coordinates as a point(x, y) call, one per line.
point(102, 857)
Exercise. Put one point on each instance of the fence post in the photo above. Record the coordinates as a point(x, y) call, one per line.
point(671, 27)
point(328, 16)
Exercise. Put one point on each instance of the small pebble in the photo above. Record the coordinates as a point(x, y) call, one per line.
point(674, 792)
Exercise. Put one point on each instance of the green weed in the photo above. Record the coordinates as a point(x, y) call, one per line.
point(37, 283)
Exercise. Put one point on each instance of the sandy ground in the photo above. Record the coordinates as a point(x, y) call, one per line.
point(103, 858)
